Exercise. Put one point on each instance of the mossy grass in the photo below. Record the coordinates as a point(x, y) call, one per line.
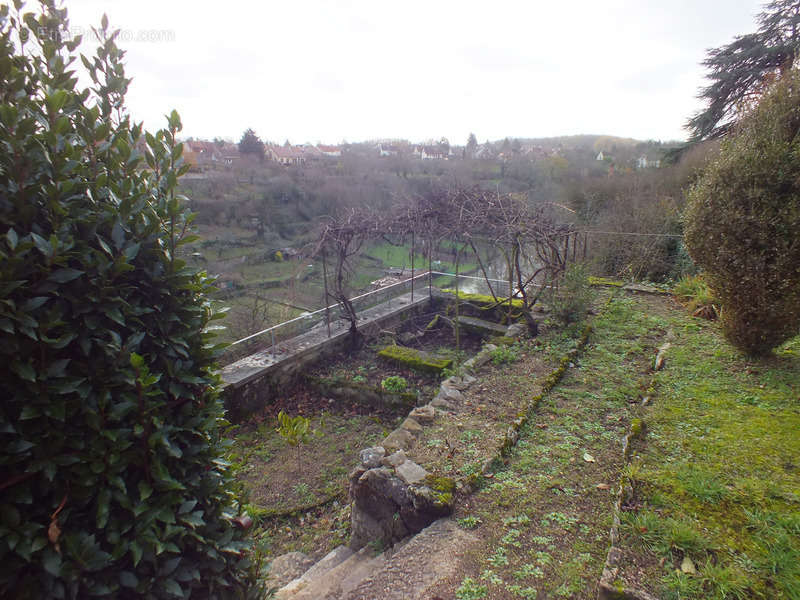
point(718, 478)
point(694, 292)
point(414, 359)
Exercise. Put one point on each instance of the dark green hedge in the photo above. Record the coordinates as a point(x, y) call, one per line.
point(111, 483)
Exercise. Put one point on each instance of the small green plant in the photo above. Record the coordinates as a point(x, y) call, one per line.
point(304, 492)
point(359, 379)
point(469, 522)
point(454, 371)
point(523, 592)
point(516, 520)
point(541, 539)
point(702, 485)
point(684, 536)
point(559, 518)
point(394, 384)
point(646, 527)
point(511, 538)
point(491, 577)
point(570, 300)
point(505, 354)
point(471, 590)
point(694, 292)
point(499, 558)
point(294, 430)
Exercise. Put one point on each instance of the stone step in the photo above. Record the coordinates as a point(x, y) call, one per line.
point(352, 573)
point(334, 576)
point(417, 566)
point(330, 561)
point(407, 571)
point(481, 327)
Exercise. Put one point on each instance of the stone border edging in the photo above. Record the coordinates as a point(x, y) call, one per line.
point(610, 587)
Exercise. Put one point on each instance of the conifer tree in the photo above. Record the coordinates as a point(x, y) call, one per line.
point(742, 70)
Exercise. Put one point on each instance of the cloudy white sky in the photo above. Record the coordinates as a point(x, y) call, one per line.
point(328, 71)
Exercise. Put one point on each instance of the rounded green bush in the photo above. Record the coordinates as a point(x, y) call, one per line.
point(743, 223)
point(110, 425)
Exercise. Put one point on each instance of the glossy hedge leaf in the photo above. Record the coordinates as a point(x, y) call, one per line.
point(24, 370)
point(42, 244)
point(65, 275)
point(102, 329)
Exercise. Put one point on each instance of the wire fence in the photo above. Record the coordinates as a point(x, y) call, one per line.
point(320, 318)
point(418, 285)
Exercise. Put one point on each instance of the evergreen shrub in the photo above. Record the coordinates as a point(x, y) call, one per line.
point(743, 223)
point(111, 478)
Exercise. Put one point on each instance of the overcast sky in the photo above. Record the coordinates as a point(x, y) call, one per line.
point(328, 71)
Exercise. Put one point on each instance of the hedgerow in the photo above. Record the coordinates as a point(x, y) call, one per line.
point(111, 483)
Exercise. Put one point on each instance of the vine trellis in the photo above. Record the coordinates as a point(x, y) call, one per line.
point(535, 248)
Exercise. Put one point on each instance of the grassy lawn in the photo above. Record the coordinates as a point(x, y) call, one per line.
point(400, 256)
point(715, 510)
point(718, 480)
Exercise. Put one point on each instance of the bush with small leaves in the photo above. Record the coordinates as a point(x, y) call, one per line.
point(111, 425)
point(743, 223)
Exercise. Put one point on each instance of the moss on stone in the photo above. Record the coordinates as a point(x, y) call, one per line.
point(414, 359)
point(441, 484)
point(433, 323)
point(484, 301)
point(502, 340)
point(604, 281)
point(442, 487)
point(637, 428)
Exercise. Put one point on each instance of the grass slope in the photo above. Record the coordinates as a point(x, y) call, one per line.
point(718, 480)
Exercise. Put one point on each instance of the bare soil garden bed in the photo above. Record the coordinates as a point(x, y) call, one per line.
point(298, 495)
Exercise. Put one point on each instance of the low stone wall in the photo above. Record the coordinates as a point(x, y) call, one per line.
point(363, 394)
point(254, 381)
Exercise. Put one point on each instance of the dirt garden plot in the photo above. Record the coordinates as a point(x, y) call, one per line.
point(543, 519)
point(298, 495)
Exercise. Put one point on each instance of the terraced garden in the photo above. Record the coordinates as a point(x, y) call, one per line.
point(708, 500)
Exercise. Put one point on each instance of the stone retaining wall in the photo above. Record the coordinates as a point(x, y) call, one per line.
point(254, 381)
